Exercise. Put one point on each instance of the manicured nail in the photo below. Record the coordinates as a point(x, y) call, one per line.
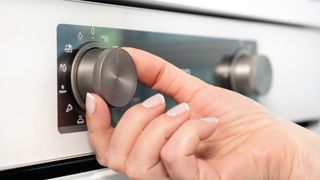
point(178, 109)
point(153, 101)
point(90, 104)
point(210, 120)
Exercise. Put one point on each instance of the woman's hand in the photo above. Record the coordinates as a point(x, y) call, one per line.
point(148, 143)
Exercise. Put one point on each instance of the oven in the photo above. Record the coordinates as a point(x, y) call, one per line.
point(43, 132)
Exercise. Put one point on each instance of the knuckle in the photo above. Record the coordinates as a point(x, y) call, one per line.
point(168, 155)
point(133, 172)
point(113, 163)
point(92, 129)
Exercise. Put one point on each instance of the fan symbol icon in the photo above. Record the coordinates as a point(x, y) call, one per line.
point(79, 36)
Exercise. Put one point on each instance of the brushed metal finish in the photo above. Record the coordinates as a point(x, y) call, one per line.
point(251, 75)
point(110, 73)
point(246, 73)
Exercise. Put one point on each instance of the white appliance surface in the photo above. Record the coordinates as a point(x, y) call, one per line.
point(28, 76)
point(100, 174)
point(302, 12)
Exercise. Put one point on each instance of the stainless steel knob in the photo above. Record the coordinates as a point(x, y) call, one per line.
point(247, 74)
point(109, 72)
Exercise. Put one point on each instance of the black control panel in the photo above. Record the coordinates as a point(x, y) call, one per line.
point(210, 59)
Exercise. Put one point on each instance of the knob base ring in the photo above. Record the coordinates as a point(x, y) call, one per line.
point(238, 55)
point(75, 65)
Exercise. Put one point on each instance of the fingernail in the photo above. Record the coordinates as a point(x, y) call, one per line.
point(210, 120)
point(153, 101)
point(178, 109)
point(90, 104)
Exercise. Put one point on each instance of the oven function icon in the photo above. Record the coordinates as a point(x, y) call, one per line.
point(92, 31)
point(68, 48)
point(80, 36)
point(63, 67)
point(69, 108)
point(62, 90)
point(80, 120)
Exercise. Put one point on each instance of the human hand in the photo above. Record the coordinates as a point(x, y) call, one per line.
point(250, 143)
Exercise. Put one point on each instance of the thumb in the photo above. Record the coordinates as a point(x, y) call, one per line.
point(98, 124)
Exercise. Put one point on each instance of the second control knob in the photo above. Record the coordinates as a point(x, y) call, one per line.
point(248, 74)
point(109, 72)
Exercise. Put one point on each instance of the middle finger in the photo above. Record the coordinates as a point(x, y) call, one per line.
point(129, 128)
point(144, 158)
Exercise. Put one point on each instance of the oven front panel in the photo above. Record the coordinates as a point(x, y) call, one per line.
point(29, 83)
point(197, 55)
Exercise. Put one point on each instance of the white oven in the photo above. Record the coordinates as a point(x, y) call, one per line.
point(42, 128)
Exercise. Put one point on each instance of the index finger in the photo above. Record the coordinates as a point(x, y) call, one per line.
point(158, 74)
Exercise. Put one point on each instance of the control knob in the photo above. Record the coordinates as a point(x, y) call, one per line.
point(108, 72)
point(246, 73)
